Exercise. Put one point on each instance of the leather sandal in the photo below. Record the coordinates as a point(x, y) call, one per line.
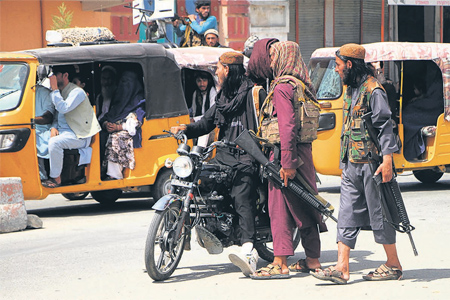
point(300, 267)
point(50, 183)
point(384, 273)
point(330, 274)
point(270, 272)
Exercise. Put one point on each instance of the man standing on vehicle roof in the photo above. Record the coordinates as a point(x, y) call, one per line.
point(233, 112)
point(74, 125)
point(360, 204)
point(198, 24)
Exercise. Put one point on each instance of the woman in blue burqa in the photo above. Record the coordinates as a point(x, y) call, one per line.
point(123, 123)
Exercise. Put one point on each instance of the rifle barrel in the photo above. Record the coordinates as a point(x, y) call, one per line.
point(272, 171)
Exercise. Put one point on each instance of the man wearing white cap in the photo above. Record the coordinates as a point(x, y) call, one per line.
point(212, 38)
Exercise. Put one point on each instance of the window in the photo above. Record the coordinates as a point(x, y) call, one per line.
point(324, 79)
point(13, 77)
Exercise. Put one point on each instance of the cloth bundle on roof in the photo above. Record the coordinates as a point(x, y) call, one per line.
point(77, 35)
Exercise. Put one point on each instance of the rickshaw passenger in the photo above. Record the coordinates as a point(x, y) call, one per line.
point(45, 110)
point(420, 116)
point(80, 81)
point(202, 99)
point(108, 84)
point(204, 95)
point(122, 122)
point(74, 125)
point(419, 91)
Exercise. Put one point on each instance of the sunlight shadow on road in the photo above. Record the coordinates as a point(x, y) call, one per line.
point(201, 272)
point(93, 208)
point(427, 275)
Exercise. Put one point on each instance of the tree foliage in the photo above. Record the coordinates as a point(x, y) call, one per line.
point(65, 18)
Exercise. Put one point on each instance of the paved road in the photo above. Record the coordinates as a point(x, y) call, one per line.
point(86, 251)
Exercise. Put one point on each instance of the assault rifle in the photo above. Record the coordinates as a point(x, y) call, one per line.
point(272, 171)
point(391, 198)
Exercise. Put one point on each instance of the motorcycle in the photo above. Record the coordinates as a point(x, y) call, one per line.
point(199, 198)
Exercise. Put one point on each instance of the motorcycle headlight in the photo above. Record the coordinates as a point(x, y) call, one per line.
point(183, 166)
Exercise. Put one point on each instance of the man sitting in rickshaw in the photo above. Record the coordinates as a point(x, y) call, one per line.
point(74, 125)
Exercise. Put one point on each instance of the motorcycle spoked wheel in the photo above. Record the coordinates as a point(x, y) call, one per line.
point(265, 250)
point(163, 250)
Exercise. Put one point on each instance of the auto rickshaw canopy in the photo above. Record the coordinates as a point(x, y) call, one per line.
point(162, 75)
point(200, 58)
point(400, 51)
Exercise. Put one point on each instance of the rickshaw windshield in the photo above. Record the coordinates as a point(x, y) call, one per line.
point(325, 80)
point(13, 77)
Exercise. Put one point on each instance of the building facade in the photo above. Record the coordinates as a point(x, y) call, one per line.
point(311, 23)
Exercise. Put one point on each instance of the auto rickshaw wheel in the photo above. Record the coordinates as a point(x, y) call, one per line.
point(75, 196)
point(427, 176)
point(106, 197)
point(162, 184)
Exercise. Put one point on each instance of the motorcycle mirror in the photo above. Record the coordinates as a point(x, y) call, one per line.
point(183, 149)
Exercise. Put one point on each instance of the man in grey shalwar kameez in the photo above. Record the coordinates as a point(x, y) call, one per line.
point(360, 205)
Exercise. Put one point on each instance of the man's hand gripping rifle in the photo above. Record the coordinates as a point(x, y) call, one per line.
point(272, 171)
point(391, 198)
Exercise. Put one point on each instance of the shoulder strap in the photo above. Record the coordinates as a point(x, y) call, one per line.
point(255, 94)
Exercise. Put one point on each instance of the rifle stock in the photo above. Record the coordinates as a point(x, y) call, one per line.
point(272, 171)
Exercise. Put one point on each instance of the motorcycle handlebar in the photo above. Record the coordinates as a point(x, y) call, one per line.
point(180, 135)
point(224, 144)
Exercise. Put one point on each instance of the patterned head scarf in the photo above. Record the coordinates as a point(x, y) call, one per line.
point(287, 60)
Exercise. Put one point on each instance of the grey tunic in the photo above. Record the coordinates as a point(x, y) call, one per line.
point(360, 204)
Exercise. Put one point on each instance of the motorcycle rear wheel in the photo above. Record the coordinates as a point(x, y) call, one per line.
point(163, 250)
point(265, 250)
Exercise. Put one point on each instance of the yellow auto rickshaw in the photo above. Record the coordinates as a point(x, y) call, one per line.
point(419, 73)
point(165, 106)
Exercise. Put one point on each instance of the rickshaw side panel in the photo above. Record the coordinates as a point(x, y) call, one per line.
point(23, 163)
point(155, 144)
point(442, 155)
point(326, 147)
point(437, 149)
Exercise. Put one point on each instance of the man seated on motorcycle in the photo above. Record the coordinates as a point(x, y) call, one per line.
point(233, 112)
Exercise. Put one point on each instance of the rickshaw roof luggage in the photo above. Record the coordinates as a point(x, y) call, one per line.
point(162, 80)
point(200, 58)
point(399, 51)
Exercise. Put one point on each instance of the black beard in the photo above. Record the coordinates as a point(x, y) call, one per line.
point(347, 78)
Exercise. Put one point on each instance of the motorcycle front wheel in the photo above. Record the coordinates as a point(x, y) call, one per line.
point(163, 249)
point(265, 250)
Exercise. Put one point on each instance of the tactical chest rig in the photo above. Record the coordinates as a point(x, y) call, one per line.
point(353, 148)
point(306, 113)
